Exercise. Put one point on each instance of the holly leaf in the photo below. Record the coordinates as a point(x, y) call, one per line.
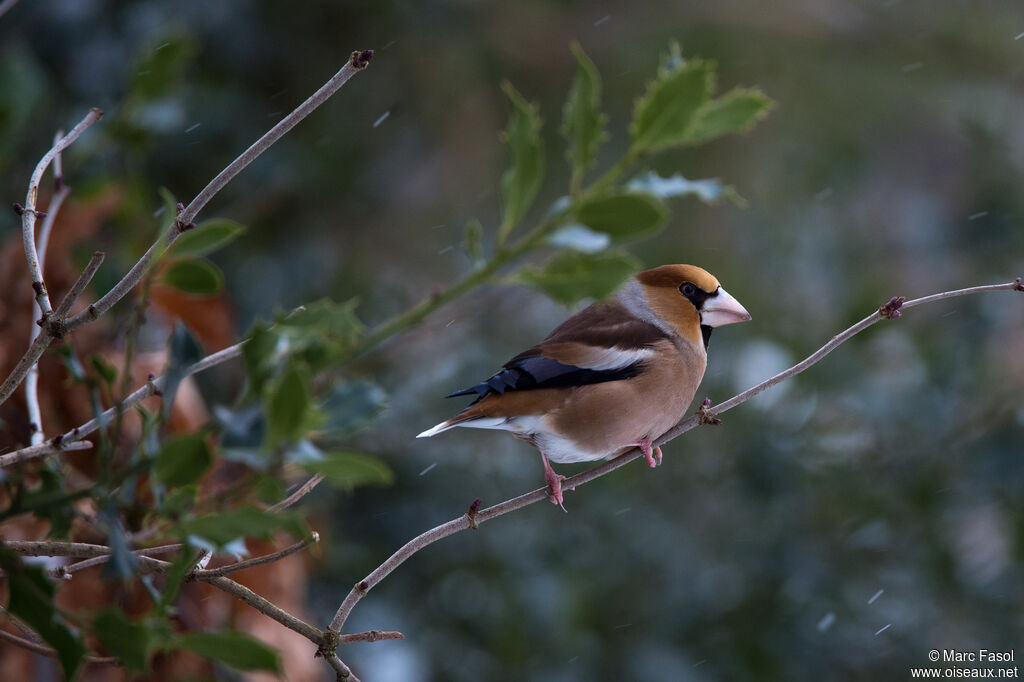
point(30, 598)
point(194, 276)
point(233, 649)
point(664, 113)
point(349, 470)
point(183, 460)
point(582, 120)
point(573, 275)
point(623, 215)
point(734, 112)
point(127, 640)
point(207, 237)
point(521, 181)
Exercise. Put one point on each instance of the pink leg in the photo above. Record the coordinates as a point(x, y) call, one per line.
point(554, 482)
point(651, 456)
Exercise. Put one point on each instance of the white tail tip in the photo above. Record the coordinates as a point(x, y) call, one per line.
point(443, 426)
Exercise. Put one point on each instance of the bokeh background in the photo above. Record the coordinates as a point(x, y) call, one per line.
point(837, 527)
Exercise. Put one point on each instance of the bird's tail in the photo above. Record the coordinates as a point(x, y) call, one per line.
point(434, 430)
point(470, 418)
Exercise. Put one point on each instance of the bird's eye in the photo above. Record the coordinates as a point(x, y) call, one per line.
point(688, 290)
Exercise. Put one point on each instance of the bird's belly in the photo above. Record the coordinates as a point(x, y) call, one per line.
point(608, 418)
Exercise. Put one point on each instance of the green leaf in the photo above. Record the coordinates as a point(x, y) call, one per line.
point(665, 111)
point(623, 215)
point(168, 216)
point(258, 354)
point(351, 406)
point(218, 530)
point(326, 317)
point(473, 242)
point(175, 578)
point(582, 121)
point(127, 640)
point(351, 469)
point(207, 237)
point(183, 460)
point(30, 598)
point(288, 405)
point(162, 66)
point(734, 112)
point(233, 649)
point(520, 183)
point(184, 352)
point(106, 371)
point(179, 502)
point(572, 275)
point(194, 276)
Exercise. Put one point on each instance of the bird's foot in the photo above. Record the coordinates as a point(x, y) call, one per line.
point(554, 482)
point(651, 455)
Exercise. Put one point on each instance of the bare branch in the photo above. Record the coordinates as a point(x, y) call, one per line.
point(70, 440)
point(202, 574)
point(29, 213)
point(6, 5)
point(35, 416)
point(357, 62)
point(299, 493)
point(266, 608)
point(465, 521)
point(344, 673)
point(64, 307)
point(370, 636)
point(80, 549)
point(47, 651)
point(65, 572)
point(41, 450)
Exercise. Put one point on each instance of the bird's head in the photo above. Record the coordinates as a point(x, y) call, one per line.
point(690, 300)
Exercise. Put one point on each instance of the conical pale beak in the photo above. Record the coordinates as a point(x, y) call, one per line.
point(722, 309)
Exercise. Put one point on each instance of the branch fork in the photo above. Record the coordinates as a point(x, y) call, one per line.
point(705, 415)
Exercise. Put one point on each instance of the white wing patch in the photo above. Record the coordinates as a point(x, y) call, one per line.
point(613, 358)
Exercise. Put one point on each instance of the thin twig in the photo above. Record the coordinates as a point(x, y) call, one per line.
point(299, 493)
point(29, 213)
point(64, 572)
point(464, 522)
point(370, 636)
point(25, 629)
point(357, 62)
point(50, 652)
point(202, 574)
point(40, 451)
point(7, 5)
point(64, 307)
point(80, 549)
point(344, 673)
point(70, 439)
point(267, 608)
point(35, 415)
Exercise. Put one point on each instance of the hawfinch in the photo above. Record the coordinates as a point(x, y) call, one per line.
point(614, 376)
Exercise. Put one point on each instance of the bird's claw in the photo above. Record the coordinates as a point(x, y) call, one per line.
point(652, 455)
point(555, 489)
